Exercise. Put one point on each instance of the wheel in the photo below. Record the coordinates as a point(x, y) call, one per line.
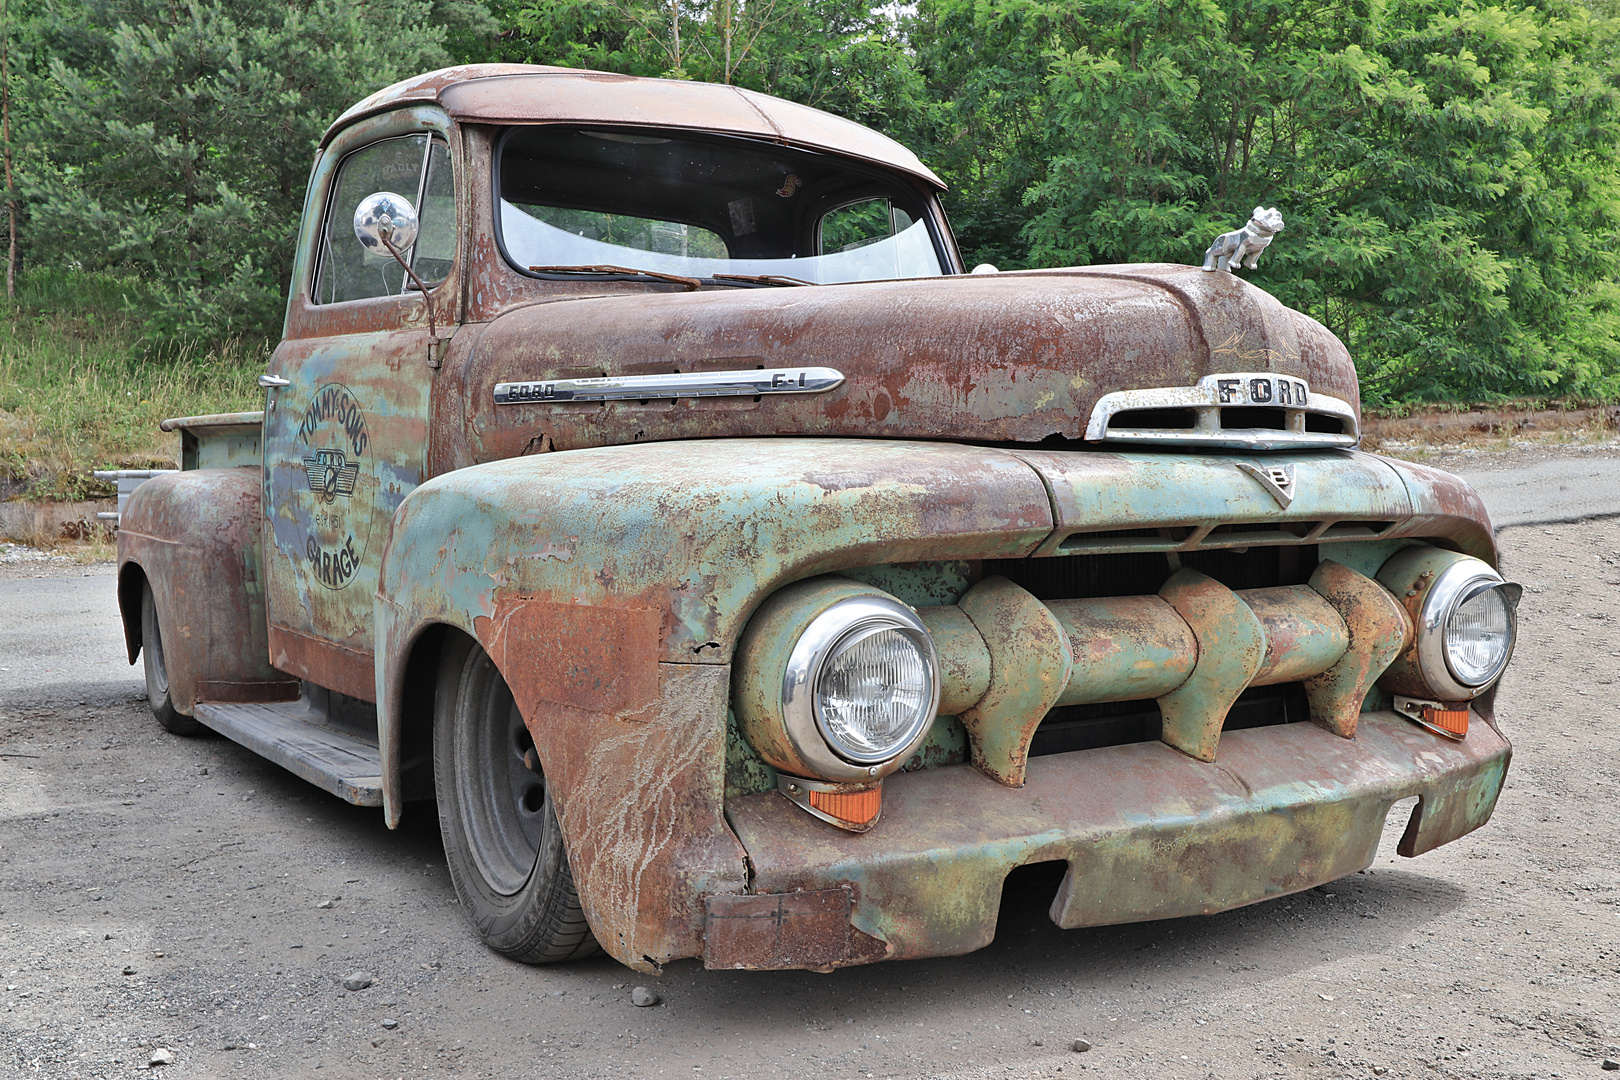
point(157, 673)
point(501, 836)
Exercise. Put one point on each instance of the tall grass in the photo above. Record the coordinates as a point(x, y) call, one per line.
point(81, 388)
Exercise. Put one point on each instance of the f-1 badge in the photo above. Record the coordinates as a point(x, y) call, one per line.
point(1277, 479)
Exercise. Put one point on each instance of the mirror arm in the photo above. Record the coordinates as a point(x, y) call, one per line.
point(434, 344)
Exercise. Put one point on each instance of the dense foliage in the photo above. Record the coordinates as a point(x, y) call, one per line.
point(1447, 168)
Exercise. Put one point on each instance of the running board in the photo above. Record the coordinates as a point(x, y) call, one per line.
point(292, 735)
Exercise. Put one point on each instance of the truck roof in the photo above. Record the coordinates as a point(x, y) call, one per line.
point(535, 94)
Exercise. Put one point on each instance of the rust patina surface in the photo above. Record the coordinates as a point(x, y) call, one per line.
point(609, 558)
point(1146, 832)
point(194, 535)
point(1011, 357)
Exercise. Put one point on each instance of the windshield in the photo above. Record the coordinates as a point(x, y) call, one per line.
point(701, 206)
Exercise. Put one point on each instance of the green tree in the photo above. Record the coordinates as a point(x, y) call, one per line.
point(180, 137)
point(845, 56)
point(1447, 170)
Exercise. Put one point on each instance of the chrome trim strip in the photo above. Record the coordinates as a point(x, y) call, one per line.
point(1235, 439)
point(696, 384)
point(1240, 389)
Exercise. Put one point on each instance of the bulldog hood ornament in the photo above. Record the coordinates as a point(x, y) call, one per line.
point(1230, 249)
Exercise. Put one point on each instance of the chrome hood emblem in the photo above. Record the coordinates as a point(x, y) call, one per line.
point(1277, 479)
point(1243, 410)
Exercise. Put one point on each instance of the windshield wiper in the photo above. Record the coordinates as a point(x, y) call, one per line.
point(692, 284)
point(765, 279)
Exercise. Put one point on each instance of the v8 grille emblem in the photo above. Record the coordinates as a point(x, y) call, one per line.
point(1277, 479)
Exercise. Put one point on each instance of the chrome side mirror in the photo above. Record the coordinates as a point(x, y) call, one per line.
point(383, 221)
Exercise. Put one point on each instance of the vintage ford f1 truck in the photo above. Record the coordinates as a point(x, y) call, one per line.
point(643, 478)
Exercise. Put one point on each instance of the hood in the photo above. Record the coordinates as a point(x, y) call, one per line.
point(1004, 358)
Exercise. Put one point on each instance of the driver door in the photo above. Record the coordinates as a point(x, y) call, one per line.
point(346, 425)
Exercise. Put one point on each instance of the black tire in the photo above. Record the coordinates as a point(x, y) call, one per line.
point(157, 671)
point(501, 837)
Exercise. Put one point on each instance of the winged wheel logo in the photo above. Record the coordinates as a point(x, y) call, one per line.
point(331, 474)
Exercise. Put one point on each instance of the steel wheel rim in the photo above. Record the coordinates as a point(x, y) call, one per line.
point(503, 800)
point(160, 671)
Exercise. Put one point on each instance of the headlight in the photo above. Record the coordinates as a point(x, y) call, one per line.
point(1479, 634)
point(865, 669)
point(1463, 623)
point(836, 680)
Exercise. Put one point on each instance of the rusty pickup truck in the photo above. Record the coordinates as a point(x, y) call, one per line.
point(645, 483)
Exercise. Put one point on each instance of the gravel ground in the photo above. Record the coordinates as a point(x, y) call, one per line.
point(182, 894)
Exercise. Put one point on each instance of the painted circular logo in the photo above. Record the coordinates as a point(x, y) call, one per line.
point(333, 440)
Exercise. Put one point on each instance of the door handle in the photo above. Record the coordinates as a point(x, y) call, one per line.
point(273, 382)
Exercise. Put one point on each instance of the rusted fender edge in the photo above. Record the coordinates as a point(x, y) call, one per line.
point(195, 535)
point(610, 585)
point(1444, 507)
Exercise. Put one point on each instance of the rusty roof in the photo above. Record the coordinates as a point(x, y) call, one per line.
point(533, 94)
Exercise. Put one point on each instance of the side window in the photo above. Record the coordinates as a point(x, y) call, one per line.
point(416, 167)
point(858, 224)
point(436, 210)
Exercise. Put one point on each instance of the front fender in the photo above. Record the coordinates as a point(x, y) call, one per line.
point(610, 585)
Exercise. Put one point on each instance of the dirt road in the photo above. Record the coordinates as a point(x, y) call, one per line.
point(183, 894)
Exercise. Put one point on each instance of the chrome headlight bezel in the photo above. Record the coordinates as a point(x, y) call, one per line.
point(842, 624)
point(1452, 587)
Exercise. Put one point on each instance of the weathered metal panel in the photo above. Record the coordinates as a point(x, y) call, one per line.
point(640, 798)
point(195, 535)
point(785, 930)
point(349, 437)
point(1231, 649)
point(1444, 506)
point(698, 534)
point(701, 531)
point(583, 656)
point(964, 660)
point(1030, 662)
point(1126, 648)
point(1099, 491)
point(219, 440)
point(1010, 357)
point(1303, 632)
point(533, 94)
point(1378, 629)
point(359, 400)
point(1148, 833)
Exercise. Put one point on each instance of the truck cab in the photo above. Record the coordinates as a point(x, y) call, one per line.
point(645, 487)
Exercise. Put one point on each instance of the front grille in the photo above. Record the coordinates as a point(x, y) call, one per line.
point(1142, 573)
point(1119, 723)
point(1226, 534)
point(1139, 573)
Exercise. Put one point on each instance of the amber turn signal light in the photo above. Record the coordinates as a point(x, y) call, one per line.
point(1448, 718)
point(1454, 721)
point(854, 807)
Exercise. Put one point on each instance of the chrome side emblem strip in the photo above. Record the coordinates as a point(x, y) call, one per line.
point(697, 384)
